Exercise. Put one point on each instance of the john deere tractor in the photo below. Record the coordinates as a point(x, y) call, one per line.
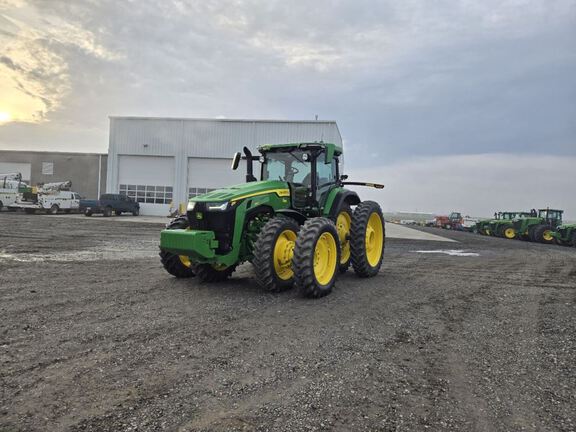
point(503, 226)
point(538, 227)
point(297, 224)
point(565, 235)
point(483, 226)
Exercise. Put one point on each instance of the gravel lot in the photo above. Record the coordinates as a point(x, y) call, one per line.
point(95, 336)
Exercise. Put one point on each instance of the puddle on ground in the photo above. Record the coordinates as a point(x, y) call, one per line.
point(95, 254)
point(451, 252)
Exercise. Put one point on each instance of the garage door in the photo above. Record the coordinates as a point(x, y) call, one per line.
point(16, 167)
point(149, 180)
point(205, 175)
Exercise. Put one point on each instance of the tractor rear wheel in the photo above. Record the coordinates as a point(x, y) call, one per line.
point(213, 273)
point(344, 226)
point(543, 234)
point(177, 265)
point(316, 257)
point(273, 251)
point(367, 239)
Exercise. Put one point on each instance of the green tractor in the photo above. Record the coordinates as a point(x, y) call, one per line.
point(503, 227)
point(565, 235)
point(296, 225)
point(483, 226)
point(538, 227)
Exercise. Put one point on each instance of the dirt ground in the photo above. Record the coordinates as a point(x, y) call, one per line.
point(95, 336)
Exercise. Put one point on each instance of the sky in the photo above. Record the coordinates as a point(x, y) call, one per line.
point(452, 104)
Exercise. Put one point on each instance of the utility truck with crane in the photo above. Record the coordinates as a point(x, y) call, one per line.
point(11, 187)
point(297, 224)
point(49, 197)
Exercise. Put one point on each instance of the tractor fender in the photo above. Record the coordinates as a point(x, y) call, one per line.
point(294, 214)
point(344, 196)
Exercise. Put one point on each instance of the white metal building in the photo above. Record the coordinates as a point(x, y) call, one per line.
point(164, 161)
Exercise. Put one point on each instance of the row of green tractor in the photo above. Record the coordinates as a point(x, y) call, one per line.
point(542, 226)
point(297, 224)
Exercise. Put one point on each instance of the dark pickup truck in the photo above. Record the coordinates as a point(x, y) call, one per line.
point(109, 204)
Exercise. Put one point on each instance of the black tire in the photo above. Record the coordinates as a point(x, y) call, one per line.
point(560, 242)
point(29, 210)
point(174, 264)
point(573, 239)
point(208, 273)
point(136, 212)
point(540, 232)
point(345, 250)
point(307, 254)
point(531, 232)
point(88, 213)
point(363, 266)
point(264, 259)
point(505, 229)
point(118, 213)
point(107, 212)
point(53, 210)
point(1, 205)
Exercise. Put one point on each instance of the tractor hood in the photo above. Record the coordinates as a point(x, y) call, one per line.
point(243, 190)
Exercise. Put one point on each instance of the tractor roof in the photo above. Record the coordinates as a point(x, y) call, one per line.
point(330, 148)
point(549, 209)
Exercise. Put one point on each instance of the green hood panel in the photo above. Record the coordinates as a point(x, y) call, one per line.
point(242, 190)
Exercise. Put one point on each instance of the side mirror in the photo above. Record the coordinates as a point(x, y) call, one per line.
point(236, 161)
point(344, 177)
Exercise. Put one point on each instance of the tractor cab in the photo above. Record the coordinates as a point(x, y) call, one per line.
point(311, 171)
point(551, 217)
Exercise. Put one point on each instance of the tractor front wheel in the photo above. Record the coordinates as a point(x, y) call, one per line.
point(177, 265)
point(509, 233)
point(367, 239)
point(316, 257)
point(213, 273)
point(273, 253)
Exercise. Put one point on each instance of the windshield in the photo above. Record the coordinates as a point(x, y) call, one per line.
point(284, 166)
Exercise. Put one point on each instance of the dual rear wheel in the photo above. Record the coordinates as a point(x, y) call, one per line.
point(310, 256)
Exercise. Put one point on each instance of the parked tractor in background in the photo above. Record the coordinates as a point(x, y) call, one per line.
point(455, 220)
point(538, 227)
point(441, 221)
point(565, 235)
point(503, 227)
point(482, 227)
point(296, 225)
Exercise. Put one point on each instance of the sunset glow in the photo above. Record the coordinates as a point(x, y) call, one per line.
point(5, 117)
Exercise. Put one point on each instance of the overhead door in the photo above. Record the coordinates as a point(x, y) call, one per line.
point(149, 180)
point(16, 167)
point(206, 174)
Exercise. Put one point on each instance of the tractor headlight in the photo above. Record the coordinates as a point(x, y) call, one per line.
point(217, 206)
point(191, 205)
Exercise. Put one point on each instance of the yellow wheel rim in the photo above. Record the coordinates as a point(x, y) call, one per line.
point(283, 253)
point(325, 254)
point(185, 260)
point(374, 239)
point(343, 224)
point(547, 235)
point(509, 233)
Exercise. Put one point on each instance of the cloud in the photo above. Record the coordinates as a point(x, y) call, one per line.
point(476, 185)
